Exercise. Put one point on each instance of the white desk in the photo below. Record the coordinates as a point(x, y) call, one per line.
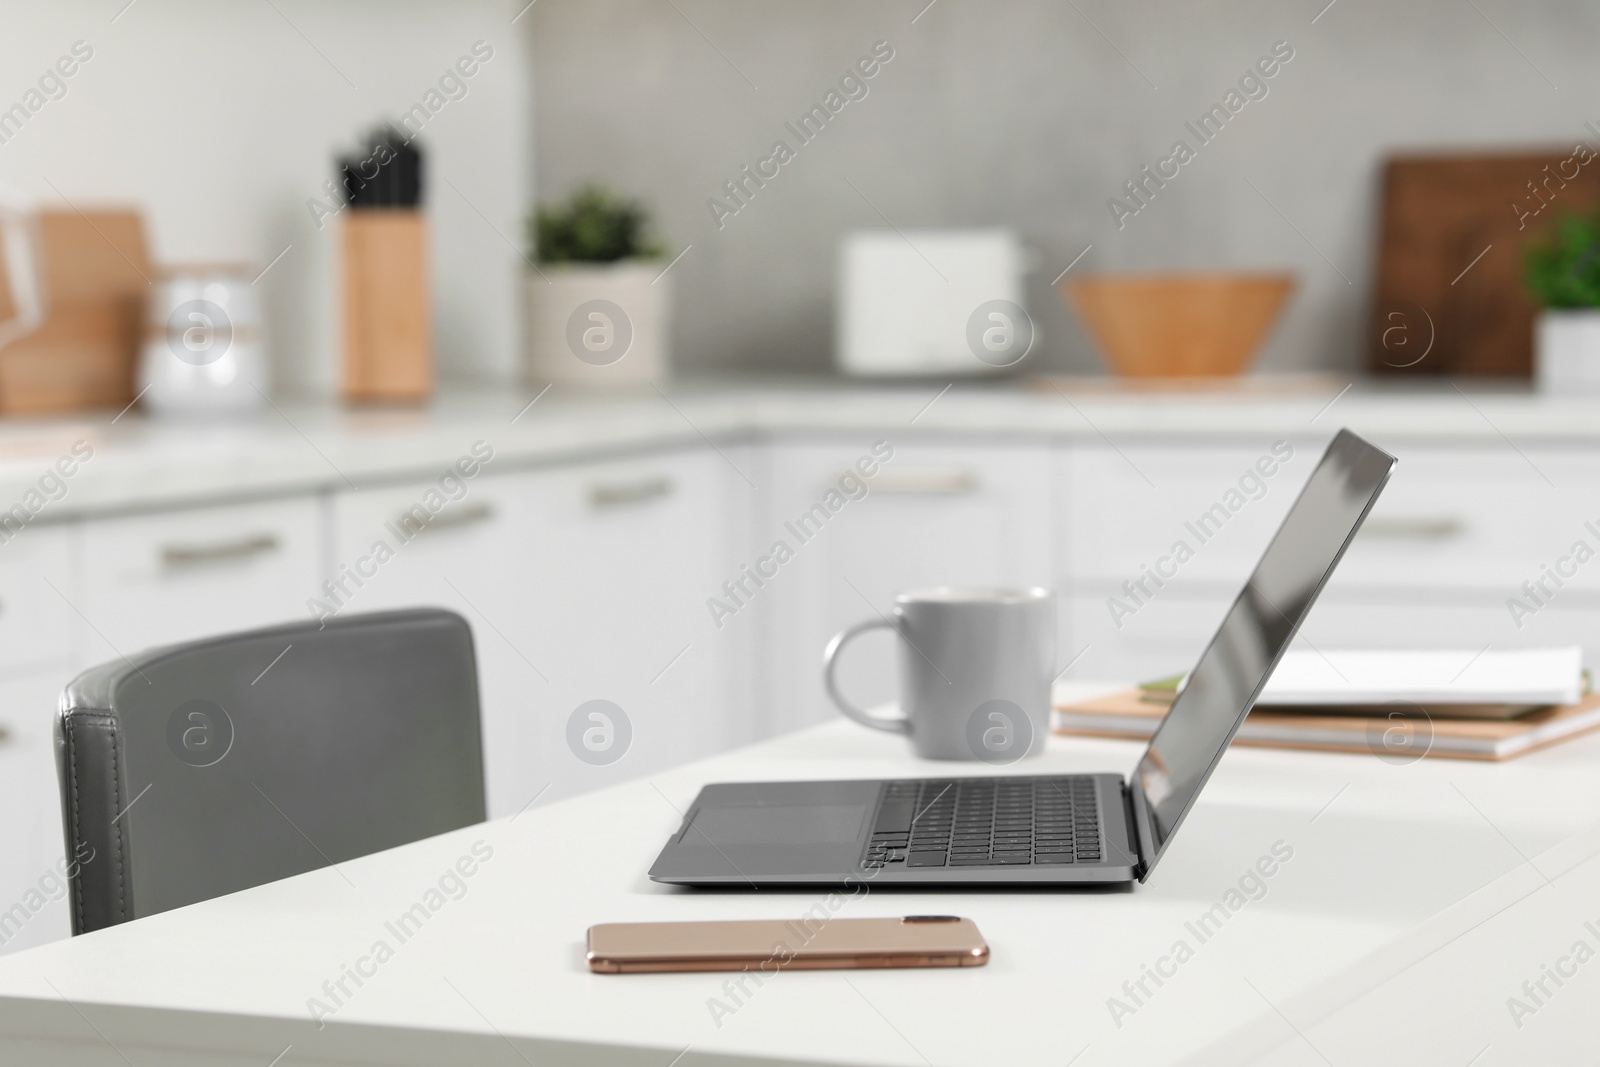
point(1406, 917)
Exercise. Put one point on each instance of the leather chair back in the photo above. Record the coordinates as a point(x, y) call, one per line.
point(206, 768)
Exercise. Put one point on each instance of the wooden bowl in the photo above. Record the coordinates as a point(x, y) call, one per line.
point(1198, 325)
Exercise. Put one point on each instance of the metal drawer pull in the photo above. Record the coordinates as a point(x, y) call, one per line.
point(450, 519)
point(1419, 529)
point(177, 557)
point(923, 483)
point(620, 494)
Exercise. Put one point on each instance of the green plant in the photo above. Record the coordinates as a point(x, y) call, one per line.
point(1563, 269)
point(594, 225)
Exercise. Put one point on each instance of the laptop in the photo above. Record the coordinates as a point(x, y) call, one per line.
point(1079, 829)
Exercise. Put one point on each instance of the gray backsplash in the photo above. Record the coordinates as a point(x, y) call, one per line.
point(1032, 115)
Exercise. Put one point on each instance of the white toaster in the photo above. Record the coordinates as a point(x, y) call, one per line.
point(930, 302)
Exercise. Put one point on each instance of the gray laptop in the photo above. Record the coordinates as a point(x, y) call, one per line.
point(1048, 829)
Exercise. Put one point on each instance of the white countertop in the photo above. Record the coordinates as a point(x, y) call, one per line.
point(1416, 900)
point(140, 461)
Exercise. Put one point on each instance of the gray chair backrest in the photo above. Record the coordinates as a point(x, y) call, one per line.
point(201, 769)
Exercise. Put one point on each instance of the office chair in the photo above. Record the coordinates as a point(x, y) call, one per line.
point(205, 768)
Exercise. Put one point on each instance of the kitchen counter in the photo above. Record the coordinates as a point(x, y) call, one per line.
point(142, 462)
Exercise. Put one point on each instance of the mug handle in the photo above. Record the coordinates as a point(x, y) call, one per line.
point(897, 725)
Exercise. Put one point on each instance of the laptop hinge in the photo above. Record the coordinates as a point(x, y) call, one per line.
point(1138, 831)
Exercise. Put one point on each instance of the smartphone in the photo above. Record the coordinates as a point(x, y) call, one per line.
point(781, 944)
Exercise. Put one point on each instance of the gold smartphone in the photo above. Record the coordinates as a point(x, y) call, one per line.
point(783, 944)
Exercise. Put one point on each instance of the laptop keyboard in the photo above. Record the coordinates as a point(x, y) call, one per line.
point(975, 822)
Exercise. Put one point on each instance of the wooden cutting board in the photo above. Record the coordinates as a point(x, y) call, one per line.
point(1441, 212)
point(97, 276)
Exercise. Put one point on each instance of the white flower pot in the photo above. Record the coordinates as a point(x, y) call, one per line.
point(599, 324)
point(1567, 351)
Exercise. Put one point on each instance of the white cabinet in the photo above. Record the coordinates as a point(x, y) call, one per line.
point(154, 579)
point(582, 583)
point(938, 512)
point(1126, 509)
point(33, 897)
point(36, 583)
point(1165, 637)
point(1156, 540)
point(37, 586)
point(1479, 519)
point(1454, 536)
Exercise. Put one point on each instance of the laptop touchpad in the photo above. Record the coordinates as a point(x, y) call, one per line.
point(779, 828)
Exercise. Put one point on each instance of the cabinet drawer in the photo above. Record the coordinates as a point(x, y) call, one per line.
point(1124, 510)
point(35, 586)
point(174, 576)
point(1479, 518)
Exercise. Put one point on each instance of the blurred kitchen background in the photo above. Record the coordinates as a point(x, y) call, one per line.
point(220, 120)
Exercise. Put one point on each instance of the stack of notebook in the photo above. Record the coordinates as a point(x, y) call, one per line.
point(1486, 705)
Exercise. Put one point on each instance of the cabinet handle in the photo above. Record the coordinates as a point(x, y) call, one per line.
point(446, 520)
point(924, 482)
point(180, 557)
point(1439, 528)
point(620, 494)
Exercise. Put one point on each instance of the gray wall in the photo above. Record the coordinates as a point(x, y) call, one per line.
point(1021, 113)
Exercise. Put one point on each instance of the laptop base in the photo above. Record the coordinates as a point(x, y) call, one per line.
point(1044, 830)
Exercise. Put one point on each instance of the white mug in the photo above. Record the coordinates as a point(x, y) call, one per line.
point(976, 666)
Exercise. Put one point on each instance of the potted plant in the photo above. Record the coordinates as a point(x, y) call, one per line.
point(1563, 274)
point(598, 302)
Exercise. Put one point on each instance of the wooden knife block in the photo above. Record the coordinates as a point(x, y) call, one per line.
point(96, 279)
point(388, 329)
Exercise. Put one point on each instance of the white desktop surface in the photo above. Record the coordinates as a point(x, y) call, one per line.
point(1407, 916)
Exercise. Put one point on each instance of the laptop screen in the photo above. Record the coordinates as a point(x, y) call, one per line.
point(1257, 629)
